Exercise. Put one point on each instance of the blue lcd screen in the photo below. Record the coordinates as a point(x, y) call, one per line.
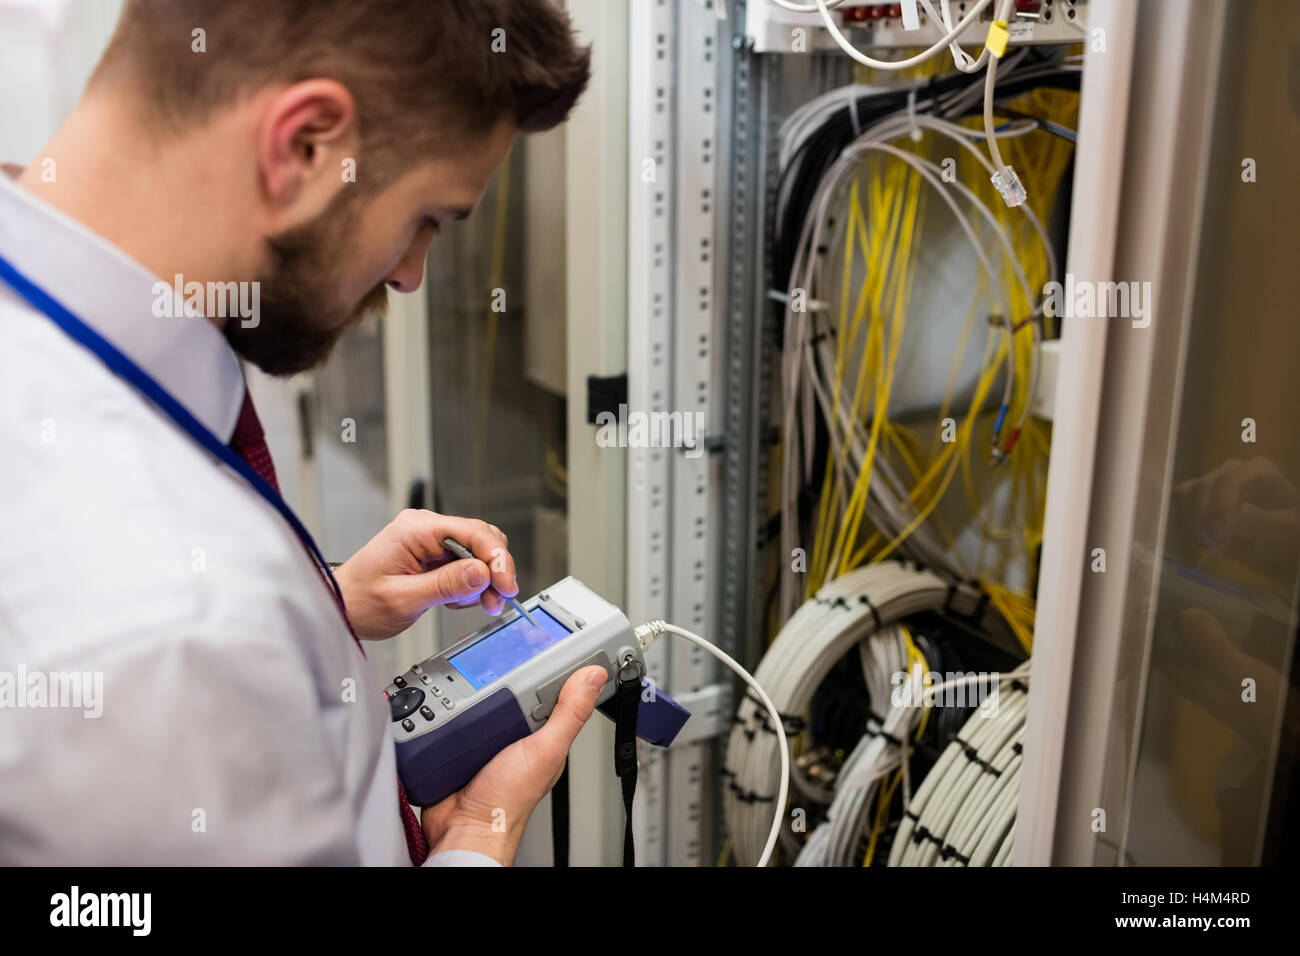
point(503, 650)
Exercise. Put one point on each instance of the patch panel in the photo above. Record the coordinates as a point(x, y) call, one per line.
point(773, 29)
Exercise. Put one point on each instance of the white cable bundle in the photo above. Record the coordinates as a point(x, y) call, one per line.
point(834, 842)
point(964, 812)
point(845, 611)
point(809, 349)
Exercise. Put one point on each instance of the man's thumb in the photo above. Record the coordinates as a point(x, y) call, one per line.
point(576, 703)
point(453, 583)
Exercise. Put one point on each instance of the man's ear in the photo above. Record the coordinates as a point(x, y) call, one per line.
point(305, 133)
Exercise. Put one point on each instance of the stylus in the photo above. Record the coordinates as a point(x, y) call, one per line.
point(460, 551)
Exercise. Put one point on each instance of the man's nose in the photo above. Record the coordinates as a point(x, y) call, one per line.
point(410, 271)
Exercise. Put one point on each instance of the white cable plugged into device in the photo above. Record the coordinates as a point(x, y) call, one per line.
point(646, 635)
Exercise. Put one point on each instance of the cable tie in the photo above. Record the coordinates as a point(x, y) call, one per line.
point(950, 852)
point(793, 723)
point(863, 599)
point(1017, 748)
point(880, 731)
point(973, 756)
point(922, 833)
point(890, 737)
point(748, 796)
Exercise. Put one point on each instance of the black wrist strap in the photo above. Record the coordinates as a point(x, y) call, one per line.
point(625, 703)
point(627, 700)
point(560, 818)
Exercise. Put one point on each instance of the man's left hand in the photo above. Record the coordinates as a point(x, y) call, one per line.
point(404, 570)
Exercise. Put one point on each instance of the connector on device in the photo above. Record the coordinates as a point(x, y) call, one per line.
point(648, 633)
point(1008, 184)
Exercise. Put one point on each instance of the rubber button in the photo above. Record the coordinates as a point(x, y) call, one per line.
point(405, 702)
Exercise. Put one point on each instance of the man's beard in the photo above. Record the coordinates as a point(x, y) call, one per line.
point(300, 317)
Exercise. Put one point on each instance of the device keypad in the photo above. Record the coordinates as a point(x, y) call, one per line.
point(405, 702)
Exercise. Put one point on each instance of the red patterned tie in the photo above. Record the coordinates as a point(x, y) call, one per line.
point(249, 442)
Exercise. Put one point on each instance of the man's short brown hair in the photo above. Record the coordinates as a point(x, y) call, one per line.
point(425, 74)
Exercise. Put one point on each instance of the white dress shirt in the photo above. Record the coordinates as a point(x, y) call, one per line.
point(237, 720)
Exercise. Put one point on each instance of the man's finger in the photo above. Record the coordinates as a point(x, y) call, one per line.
point(492, 602)
point(422, 533)
point(458, 582)
point(576, 704)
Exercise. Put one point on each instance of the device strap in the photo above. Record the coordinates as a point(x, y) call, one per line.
point(628, 700)
point(560, 818)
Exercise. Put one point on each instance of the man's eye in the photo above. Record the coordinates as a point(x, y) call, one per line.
point(430, 223)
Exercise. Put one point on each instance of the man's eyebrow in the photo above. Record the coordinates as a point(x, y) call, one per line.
point(462, 213)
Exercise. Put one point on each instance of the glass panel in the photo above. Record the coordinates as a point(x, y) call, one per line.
point(348, 457)
point(1215, 771)
point(497, 343)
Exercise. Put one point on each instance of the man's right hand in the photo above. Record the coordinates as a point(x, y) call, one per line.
point(405, 569)
point(489, 814)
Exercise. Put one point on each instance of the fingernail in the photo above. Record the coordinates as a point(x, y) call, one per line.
point(596, 679)
point(476, 575)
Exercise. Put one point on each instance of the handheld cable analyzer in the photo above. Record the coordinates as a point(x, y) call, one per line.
point(456, 710)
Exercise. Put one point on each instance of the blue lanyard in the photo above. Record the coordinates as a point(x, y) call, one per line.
point(123, 367)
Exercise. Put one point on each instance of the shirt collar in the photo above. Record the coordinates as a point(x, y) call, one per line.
point(112, 293)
